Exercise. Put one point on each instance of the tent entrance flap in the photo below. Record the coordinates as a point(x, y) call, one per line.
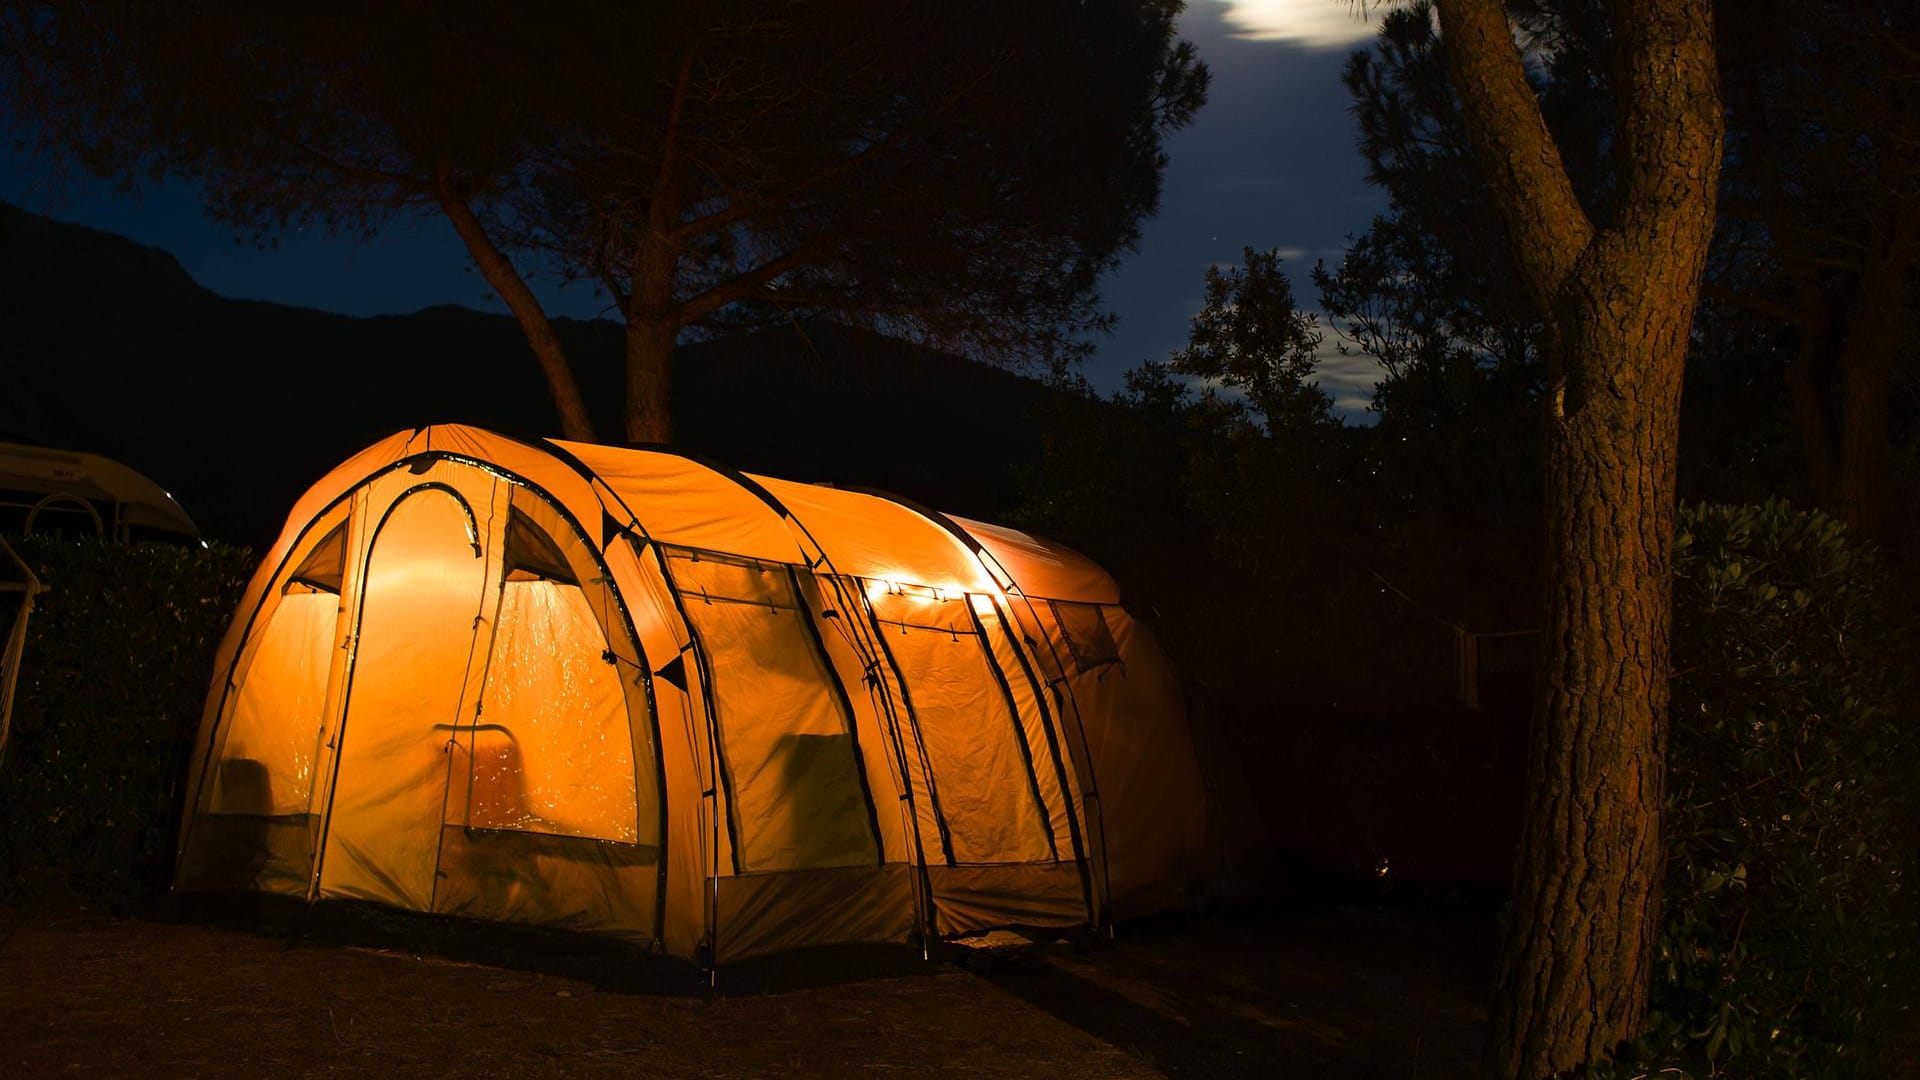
point(424, 585)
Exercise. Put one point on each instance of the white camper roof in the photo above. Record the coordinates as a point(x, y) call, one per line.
point(49, 473)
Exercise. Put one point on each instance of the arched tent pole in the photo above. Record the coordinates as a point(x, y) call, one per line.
point(340, 730)
point(639, 537)
point(866, 649)
point(1061, 686)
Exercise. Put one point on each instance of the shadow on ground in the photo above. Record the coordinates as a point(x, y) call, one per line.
point(1351, 993)
point(1343, 992)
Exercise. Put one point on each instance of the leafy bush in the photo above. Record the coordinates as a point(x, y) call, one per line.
point(118, 656)
point(1789, 910)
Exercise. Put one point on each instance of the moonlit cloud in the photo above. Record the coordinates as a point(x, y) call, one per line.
point(1320, 24)
point(1349, 380)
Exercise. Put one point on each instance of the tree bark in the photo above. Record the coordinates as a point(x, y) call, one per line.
point(649, 346)
point(653, 314)
point(1859, 494)
point(654, 319)
point(498, 270)
point(1576, 966)
point(1617, 303)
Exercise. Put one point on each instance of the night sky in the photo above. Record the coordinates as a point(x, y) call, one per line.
point(1268, 162)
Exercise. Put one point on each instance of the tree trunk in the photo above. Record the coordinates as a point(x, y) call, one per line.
point(650, 380)
point(653, 326)
point(1859, 493)
point(575, 424)
point(1807, 380)
point(1876, 330)
point(1576, 967)
point(1618, 304)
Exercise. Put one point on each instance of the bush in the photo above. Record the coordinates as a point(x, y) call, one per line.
point(1789, 916)
point(118, 658)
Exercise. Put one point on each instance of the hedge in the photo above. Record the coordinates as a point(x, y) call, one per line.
point(116, 667)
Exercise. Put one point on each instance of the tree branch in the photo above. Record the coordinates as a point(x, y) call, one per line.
point(1670, 126)
point(1529, 182)
point(499, 271)
point(742, 285)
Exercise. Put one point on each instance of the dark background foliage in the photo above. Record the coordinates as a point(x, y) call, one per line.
point(118, 655)
point(1789, 926)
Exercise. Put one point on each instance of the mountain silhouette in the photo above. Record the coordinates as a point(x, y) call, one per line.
point(236, 406)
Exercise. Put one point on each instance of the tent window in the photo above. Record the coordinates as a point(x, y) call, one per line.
point(965, 721)
point(324, 567)
point(551, 750)
point(797, 796)
point(531, 553)
point(1088, 638)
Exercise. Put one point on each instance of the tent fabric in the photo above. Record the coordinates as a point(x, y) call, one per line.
point(1042, 568)
point(634, 693)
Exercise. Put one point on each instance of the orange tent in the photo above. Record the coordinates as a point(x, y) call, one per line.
point(719, 715)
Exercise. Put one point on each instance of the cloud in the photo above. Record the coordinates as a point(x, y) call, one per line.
point(1320, 24)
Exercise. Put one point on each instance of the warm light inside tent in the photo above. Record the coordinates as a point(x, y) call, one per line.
point(880, 588)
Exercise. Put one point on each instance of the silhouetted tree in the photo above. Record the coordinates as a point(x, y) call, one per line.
point(960, 173)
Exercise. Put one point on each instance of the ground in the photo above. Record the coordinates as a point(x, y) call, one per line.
point(1338, 992)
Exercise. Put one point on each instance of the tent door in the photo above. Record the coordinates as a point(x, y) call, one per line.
point(423, 589)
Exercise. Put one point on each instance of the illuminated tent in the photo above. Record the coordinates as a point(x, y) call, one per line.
point(718, 715)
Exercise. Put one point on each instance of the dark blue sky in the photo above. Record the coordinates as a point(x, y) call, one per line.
point(1268, 163)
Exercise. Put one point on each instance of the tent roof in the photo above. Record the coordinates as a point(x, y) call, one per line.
point(871, 537)
point(683, 501)
point(1042, 568)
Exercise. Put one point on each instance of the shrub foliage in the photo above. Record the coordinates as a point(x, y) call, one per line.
point(117, 659)
point(1789, 913)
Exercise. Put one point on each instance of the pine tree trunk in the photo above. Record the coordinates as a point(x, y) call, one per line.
point(1617, 300)
point(650, 380)
point(1576, 969)
point(1859, 494)
point(653, 326)
point(1808, 379)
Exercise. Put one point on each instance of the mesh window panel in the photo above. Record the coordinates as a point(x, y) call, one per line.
point(1088, 637)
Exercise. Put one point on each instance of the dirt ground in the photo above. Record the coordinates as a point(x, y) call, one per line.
point(1346, 993)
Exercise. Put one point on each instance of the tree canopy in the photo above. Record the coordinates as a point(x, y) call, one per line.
point(1803, 348)
point(961, 174)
